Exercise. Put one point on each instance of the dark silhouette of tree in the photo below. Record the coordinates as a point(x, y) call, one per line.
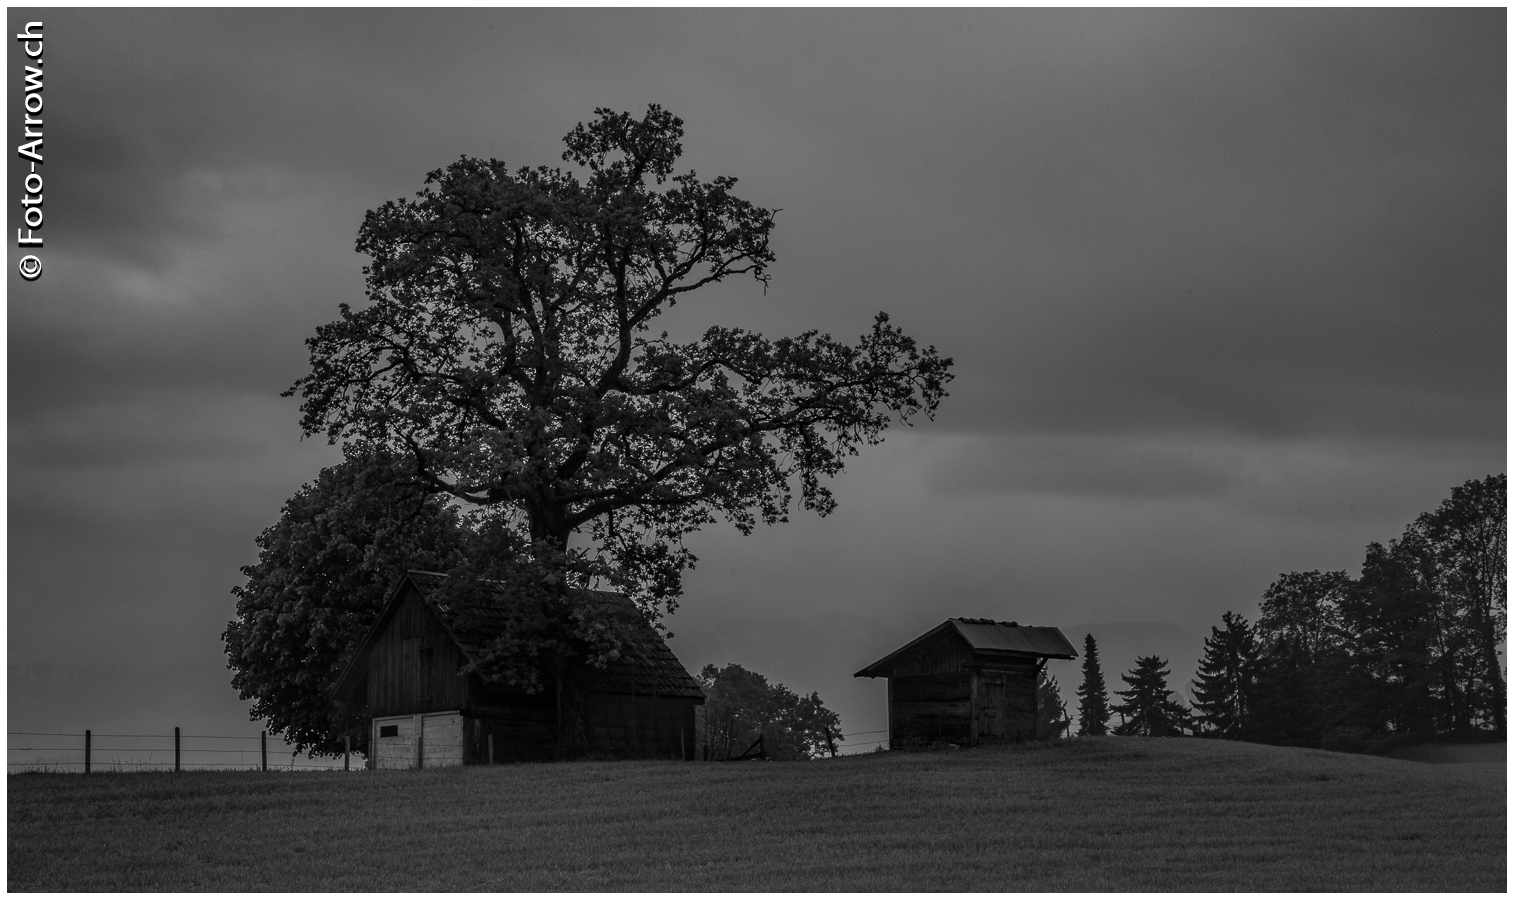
point(1468, 535)
point(1093, 700)
point(1298, 632)
point(741, 705)
point(1409, 647)
point(1051, 712)
point(1148, 707)
point(506, 352)
point(1223, 684)
point(1390, 615)
point(323, 571)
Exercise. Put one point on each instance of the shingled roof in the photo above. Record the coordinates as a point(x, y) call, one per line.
point(649, 667)
point(991, 636)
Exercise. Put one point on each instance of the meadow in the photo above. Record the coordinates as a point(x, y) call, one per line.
point(1110, 814)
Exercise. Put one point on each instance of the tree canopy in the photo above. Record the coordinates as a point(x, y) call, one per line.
point(1409, 647)
point(506, 351)
point(741, 705)
point(323, 571)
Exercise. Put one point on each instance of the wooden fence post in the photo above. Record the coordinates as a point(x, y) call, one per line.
point(176, 749)
point(263, 743)
point(346, 752)
point(489, 740)
point(682, 755)
point(86, 752)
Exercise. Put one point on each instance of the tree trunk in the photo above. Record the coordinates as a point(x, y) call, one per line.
point(560, 736)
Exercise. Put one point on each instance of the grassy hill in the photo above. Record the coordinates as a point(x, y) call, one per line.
point(1094, 814)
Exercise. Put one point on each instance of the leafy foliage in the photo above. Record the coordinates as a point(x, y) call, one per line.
point(506, 349)
point(1469, 539)
point(1224, 682)
point(323, 571)
point(1409, 647)
point(1149, 708)
point(740, 705)
point(1093, 700)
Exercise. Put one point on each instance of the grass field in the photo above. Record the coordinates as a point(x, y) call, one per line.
point(1094, 814)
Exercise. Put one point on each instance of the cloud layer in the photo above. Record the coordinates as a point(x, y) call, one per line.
point(1225, 289)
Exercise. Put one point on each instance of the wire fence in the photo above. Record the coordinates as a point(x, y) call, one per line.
point(75, 752)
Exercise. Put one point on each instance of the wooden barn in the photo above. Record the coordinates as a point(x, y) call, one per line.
point(423, 711)
point(967, 682)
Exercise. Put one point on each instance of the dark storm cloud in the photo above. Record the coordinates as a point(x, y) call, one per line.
point(1225, 290)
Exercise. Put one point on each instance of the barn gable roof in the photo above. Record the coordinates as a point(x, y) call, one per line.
point(650, 668)
point(989, 636)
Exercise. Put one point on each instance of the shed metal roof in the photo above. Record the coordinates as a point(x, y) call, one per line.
point(649, 666)
point(990, 636)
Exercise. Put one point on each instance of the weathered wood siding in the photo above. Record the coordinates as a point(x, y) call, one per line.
point(441, 739)
point(930, 708)
point(642, 726)
point(523, 725)
point(1006, 699)
point(414, 666)
point(948, 653)
point(942, 692)
point(425, 739)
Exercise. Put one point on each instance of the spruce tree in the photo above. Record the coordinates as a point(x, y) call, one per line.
point(1149, 708)
point(1051, 712)
point(1223, 685)
point(1093, 701)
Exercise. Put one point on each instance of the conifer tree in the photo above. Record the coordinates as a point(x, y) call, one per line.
point(1149, 708)
point(1223, 684)
point(1051, 712)
point(1093, 701)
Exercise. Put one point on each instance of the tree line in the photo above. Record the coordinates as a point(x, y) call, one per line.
point(1409, 647)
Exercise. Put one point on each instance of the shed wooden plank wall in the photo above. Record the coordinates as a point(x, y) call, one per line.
point(523, 726)
point(1016, 698)
point(402, 676)
point(640, 726)
point(947, 654)
point(930, 708)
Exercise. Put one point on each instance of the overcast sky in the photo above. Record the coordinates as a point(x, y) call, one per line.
point(1225, 291)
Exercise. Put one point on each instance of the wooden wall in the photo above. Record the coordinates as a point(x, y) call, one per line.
point(947, 653)
point(413, 667)
point(930, 708)
point(1007, 703)
point(965, 707)
point(616, 725)
point(640, 726)
point(524, 726)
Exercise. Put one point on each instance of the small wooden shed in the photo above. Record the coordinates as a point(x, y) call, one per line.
point(424, 711)
point(967, 682)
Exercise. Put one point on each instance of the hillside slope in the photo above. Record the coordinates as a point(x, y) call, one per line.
point(1102, 814)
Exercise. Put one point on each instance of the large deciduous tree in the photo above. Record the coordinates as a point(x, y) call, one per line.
point(323, 571)
point(506, 350)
